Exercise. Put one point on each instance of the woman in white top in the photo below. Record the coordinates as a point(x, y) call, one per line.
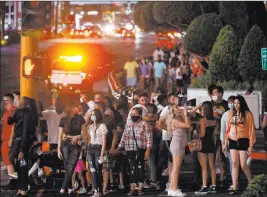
point(97, 144)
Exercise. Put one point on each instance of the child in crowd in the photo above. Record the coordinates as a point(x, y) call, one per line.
point(80, 168)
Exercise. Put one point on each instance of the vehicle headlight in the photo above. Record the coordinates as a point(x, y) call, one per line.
point(6, 37)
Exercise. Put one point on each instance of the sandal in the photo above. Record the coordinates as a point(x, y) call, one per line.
point(140, 192)
point(105, 193)
point(131, 193)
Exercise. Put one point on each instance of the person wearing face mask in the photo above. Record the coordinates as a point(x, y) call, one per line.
point(7, 134)
point(142, 103)
point(159, 71)
point(223, 131)
point(97, 146)
point(220, 106)
point(73, 126)
point(25, 119)
point(53, 117)
point(137, 141)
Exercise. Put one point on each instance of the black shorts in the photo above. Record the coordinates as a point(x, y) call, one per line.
point(241, 144)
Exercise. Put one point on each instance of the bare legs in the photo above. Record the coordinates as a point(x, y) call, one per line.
point(177, 161)
point(204, 160)
point(239, 157)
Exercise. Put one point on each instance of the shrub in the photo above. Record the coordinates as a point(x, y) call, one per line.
point(257, 187)
point(202, 33)
point(224, 55)
point(249, 62)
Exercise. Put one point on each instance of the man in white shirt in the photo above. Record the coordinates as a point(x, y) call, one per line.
point(156, 54)
point(53, 118)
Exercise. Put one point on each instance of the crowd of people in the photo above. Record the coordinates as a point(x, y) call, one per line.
point(168, 69)
point(101, 138)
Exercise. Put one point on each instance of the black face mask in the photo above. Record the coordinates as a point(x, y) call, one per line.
point(135, 118)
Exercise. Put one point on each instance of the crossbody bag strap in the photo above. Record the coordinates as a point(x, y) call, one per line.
point(134, 138)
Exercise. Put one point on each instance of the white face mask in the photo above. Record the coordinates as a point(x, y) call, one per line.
point(81, 100)
point(215, 98)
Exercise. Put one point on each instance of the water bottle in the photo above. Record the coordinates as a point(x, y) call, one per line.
point(23, 163)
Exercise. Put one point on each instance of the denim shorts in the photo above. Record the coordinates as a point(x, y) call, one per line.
point(131, 81)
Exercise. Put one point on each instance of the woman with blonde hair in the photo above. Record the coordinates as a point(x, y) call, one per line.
point(177, 124)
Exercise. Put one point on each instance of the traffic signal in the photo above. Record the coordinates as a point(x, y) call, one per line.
point(33, 67)
point(36, 14)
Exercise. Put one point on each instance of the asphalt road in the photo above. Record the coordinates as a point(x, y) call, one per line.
point(121, 49)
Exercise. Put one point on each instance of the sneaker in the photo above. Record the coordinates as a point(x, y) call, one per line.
point(177, 193)
point(96, 194)
point(13, 175)
point(170, 192)
point(202, 191)
point(121, 187)
point(231, 188)
point(76, 185)
point(234, 192)
point(90, 193)
point(155, 184)
point(167, 186)
point(82, 191)
point(212, 189)
point(165, 173)
point(146, 184)
point(112, 187)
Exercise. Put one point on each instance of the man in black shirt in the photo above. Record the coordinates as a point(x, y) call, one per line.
point(220, 106)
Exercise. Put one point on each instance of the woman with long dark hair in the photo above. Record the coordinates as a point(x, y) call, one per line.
point(25, 119)
point(74, 129)
point(241, 138)
point(123, 107)
point(97, 145)
point(206, 155)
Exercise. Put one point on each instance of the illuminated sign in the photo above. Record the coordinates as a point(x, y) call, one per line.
point(28, 67)
point(32, 67)
point(62, 77)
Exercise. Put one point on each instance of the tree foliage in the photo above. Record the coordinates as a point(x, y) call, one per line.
point(147, 17)
point(224, 55)
point(257, 187)
point(179, 14)
point(138, 11)
point(249, 62)
point(202, 33)
point(257, 15)
point(234, 13)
